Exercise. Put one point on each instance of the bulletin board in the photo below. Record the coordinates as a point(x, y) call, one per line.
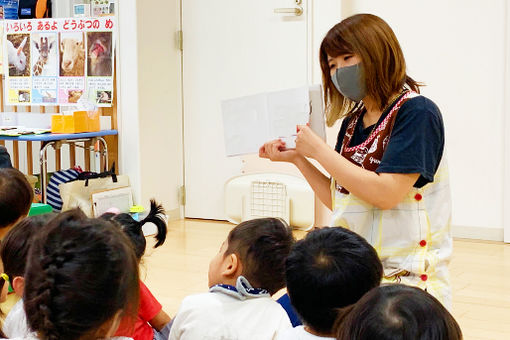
point(51, 62)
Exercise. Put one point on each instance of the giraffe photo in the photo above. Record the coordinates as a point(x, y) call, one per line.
point(44, 51)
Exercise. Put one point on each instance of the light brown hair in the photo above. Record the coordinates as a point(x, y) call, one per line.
point(384, 66)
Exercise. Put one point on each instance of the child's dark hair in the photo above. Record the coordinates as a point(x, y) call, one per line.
point(397, 312)
point(16, 244)
point(262, 245)
point(16, 196)
point(133, 228)
point(80, 273)
point(330, 269)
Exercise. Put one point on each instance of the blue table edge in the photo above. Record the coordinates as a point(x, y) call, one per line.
point(48, 137)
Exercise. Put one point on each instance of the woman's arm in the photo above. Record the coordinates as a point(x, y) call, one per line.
point(275, 151)
point(383, 190)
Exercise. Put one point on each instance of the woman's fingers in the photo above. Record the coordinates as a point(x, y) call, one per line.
point(271, 149)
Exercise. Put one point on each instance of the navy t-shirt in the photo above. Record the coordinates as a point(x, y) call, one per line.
point(416, 143)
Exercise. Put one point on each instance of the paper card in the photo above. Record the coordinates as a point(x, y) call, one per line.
point(249, 122)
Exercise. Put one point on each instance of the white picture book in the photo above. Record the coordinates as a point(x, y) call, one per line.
point(249, 122)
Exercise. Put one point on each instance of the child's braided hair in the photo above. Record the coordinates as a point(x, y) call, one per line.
point(80, 273)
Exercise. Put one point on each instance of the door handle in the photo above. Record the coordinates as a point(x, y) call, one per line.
point(297, 11)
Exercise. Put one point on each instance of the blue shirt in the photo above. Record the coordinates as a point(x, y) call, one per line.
point(416, 142)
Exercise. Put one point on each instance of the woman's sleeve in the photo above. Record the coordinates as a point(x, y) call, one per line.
point(417, 141)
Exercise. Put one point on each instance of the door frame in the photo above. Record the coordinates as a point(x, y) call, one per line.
point(506, 130)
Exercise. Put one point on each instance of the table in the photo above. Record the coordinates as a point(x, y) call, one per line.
point(54, 139)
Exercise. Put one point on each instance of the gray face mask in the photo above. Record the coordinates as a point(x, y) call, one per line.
point(348, 82)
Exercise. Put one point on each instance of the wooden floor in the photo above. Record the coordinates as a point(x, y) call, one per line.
point(480, 275)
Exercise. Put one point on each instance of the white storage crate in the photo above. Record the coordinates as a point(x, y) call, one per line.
point(269, 195)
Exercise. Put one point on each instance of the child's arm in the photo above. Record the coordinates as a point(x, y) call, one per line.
point(160, 320)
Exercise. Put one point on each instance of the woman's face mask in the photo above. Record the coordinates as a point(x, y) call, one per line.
point(348, 81)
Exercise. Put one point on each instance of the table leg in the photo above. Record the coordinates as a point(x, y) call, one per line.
point(86, 150)
point(43, 162)
point(30, 160)
point(72, 154)
point(15, 154)
point(58, 158)
point(105, 152)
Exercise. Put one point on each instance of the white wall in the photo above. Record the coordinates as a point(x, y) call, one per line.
point(457, 47)
point(150, 114)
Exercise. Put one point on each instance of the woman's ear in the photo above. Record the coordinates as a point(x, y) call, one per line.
point(18, 284)
point(233, 266)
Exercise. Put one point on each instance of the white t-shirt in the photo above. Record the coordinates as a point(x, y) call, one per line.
point(216, 315)
point(16, 327)
point(15, 324)
point(299, 333)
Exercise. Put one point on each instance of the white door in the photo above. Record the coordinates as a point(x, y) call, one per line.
point(232, 48)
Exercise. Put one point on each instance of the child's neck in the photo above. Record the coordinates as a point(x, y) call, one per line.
point(313, 332)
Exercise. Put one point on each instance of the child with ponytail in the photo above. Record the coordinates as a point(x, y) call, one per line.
point(152, 322)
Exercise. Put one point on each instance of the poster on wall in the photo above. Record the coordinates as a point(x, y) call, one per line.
point(59, 61)
point(9, 9)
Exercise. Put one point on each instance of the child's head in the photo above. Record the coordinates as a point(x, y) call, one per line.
point(398, 312)
point(133, 229)
point(330, 269)
point(15, 246)
point(5, 158)
point(16, 196)
point(81, 277)
point(257, 250)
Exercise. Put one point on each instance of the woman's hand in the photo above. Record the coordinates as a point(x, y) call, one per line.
point(308, 144)
point(275, 151)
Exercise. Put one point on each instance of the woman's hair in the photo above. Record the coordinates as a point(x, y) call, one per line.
point(16, 196)
point(133, 229)
point(397, 312)
point(16, 244)
point(384, 66)
point(262, 245)
point(80, 273)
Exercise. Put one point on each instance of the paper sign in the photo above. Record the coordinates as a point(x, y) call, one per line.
point(251, 121)
point(57, 61)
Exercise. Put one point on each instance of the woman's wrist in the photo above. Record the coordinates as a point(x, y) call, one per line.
point(298, 160)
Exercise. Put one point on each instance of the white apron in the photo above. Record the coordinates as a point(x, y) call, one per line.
point(413, 239)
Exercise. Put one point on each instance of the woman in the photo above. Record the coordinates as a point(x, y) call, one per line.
point(388, 181)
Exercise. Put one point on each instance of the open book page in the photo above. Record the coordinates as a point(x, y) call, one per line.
point(287, 109)
point(249, 122)
point(245, 124)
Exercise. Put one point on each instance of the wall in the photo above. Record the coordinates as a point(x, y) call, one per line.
point(150, 115)
point(457, 48)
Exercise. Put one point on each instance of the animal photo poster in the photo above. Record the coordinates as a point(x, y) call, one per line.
point(59, 61)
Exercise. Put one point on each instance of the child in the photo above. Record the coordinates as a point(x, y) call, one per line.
point(81, 278)
point(5, 158)
point(16, 197)
point(152, 322)
point(330, 269)
point(397, 312)
point(248, 269)
point(14, 251)
point(4, 287)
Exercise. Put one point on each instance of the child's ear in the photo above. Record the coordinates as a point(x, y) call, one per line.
point(233, 266)
point(18, 284)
